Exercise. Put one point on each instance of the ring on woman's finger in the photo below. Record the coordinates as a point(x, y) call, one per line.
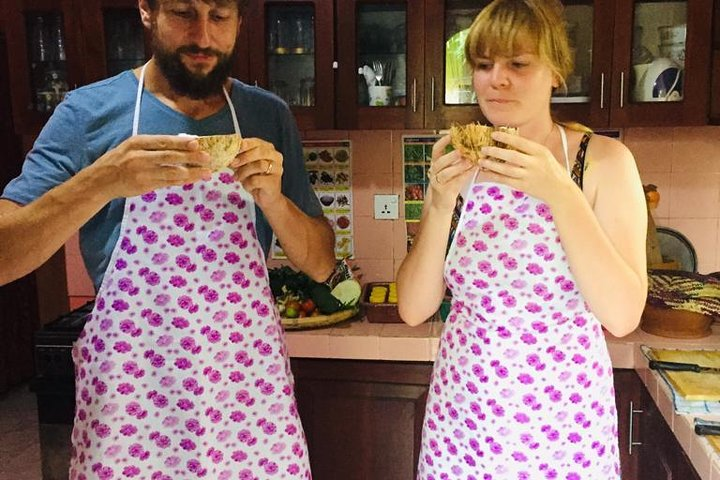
point(269, 167)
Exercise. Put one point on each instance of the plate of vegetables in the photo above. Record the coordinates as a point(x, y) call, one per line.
point(304, 303)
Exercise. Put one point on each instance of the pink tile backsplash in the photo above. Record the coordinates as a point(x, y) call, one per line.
point(652, 148)
point(372, 152)
point(683, 162)
point(373, 238)
point(696, 150)
point(694, 195)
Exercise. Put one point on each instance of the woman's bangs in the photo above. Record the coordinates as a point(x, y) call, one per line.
point(502, 35)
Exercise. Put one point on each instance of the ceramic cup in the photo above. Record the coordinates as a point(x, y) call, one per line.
point(380, 95)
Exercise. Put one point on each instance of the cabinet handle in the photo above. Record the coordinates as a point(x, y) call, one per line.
point(414, 95)
point(602, 91)
point(432, 93)
point(631, 442)
point(622, 89)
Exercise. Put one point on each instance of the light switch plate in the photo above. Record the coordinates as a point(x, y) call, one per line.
point(386, 207)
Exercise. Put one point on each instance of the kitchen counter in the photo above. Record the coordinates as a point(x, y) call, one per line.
point(361, 340)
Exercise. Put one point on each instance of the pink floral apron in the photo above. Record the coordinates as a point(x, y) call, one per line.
point(522, 387)
point(182, 370)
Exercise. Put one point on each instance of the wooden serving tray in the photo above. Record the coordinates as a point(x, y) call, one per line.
point(319, 321)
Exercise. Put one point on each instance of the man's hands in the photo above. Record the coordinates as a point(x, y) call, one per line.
point(259, 168)
point(143, 163)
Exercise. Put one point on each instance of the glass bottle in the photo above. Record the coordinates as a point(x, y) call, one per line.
point(299, 42)
point(40, 50)
point(59, 38)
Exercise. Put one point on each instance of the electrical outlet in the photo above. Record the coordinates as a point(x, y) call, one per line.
point(386, 207)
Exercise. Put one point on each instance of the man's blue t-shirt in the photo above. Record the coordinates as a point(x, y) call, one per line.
point(96, 118)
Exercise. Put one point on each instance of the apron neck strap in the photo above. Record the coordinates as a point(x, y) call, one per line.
point(138, 101)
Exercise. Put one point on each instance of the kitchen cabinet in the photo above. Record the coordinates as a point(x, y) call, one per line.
point(284, 36)
point(715, 87)
point(617, 44)
point(628, 393)
point(619, 48)
point(389, 34)
point(58, 45)
point(648, 448)
point(661, 456)
point(45, 57)
point(362, 419)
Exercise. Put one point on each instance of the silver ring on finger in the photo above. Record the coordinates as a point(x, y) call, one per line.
point(269, 168)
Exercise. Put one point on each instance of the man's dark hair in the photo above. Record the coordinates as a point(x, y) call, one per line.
point(241, 4)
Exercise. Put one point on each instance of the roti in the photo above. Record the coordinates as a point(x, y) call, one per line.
point(470, 138)
point(222, 149)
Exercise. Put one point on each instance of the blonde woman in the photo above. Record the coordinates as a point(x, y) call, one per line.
point(550, 248)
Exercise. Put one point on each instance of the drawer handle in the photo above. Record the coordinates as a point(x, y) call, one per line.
point(432, 93)
point(631, 442)
point(414, 95)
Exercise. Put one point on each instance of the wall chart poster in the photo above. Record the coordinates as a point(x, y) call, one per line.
point(329, 167)
point(417, 154)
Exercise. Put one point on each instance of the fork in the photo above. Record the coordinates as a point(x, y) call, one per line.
point(378, 69)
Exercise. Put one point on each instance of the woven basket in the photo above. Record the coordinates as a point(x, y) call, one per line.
point(667, 322)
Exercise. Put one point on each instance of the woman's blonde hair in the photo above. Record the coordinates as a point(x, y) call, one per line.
point(504, 26)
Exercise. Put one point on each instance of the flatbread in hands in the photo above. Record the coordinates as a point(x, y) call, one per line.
point(469, 139)
point(221, 148)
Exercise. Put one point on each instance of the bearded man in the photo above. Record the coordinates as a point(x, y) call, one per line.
point(182, 370)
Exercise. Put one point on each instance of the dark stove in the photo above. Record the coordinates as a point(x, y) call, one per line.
point(53, 344)
point(54, 387)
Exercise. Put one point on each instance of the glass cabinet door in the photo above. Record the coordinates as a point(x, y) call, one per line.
point(47, 59)
point(290, 40)
point(381, 54)
point(579, 24)
point(124, 39)
point(660, 63)
point(457, 85)
point(658, 51)
point(44, 58)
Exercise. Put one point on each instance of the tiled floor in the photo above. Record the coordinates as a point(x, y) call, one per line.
point(19, 442)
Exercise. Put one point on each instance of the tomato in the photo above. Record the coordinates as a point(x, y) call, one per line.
point(307, 305)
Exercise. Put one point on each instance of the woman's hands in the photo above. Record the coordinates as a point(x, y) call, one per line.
point(259, 167)
point(526, 166)
point(448, 173)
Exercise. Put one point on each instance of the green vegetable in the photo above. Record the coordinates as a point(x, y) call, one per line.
point(324, 299)
point(348, 292)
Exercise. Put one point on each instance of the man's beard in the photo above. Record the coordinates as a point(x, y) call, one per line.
point(187, 83)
